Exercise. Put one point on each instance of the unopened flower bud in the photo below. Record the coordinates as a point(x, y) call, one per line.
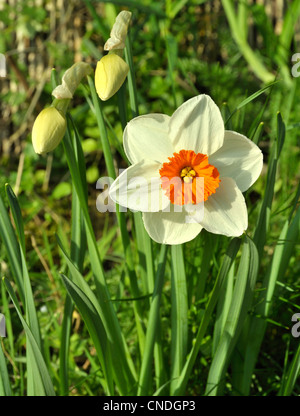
point(110, 74)
point(48, 130)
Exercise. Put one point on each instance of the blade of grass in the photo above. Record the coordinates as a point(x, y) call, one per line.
point(251, 98)
point(289, 381)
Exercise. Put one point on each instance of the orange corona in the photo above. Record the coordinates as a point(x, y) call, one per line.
point(179, 178)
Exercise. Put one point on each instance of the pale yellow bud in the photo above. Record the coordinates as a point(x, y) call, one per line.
point(110, 74)
point(48, 130)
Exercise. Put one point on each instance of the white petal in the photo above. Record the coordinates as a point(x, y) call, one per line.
point(139, 188)
point(197, 125)
point(146, 137)
point(195, 213)
point(239, 159)
point(170, 227)
point(225, 212)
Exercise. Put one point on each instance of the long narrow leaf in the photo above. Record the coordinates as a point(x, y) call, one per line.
point(5, 388)
point(179, 318)
point(36, 356)
point(95, 328)
point(241, 299)
point(145, 373)
point(225, 267)
point(10, 242)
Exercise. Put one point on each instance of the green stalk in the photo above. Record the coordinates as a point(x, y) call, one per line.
point(78, 247)
point(289, 381)
point(123, 367)
point(179, 316)
point(120, 215)
point(5, 388)
point(213, 298)
point(258, 323)
point(237, 314)
point(153, 322)
point(146, 240)
point(131, 78)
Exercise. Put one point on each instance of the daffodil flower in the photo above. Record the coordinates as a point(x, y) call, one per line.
point(189, 146)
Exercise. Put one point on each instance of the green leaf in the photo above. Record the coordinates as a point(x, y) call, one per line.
point(289, 381)
point(38, 366)
point(96, 329)
point(153, 322)
point(251, 98)
point(16, 212)
point(257, 326)
point(213, 298)
point(10, 242)
point(5, 389)
point(179, 315)
point(240, 304)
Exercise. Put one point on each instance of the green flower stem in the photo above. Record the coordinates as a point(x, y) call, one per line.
point(122, 364)
point(226, 264)
point(147, 248)
point(131, 78)
point(120, 215)
point(61, 105)
point(78, 247)
point(179, 315)
point(153, 323)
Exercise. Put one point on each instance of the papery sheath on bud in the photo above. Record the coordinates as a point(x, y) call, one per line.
point(48, 130)
point(119, 32)
point(71, 79)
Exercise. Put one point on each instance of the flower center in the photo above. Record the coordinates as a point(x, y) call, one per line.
point(181, 178)
point(187, 174)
